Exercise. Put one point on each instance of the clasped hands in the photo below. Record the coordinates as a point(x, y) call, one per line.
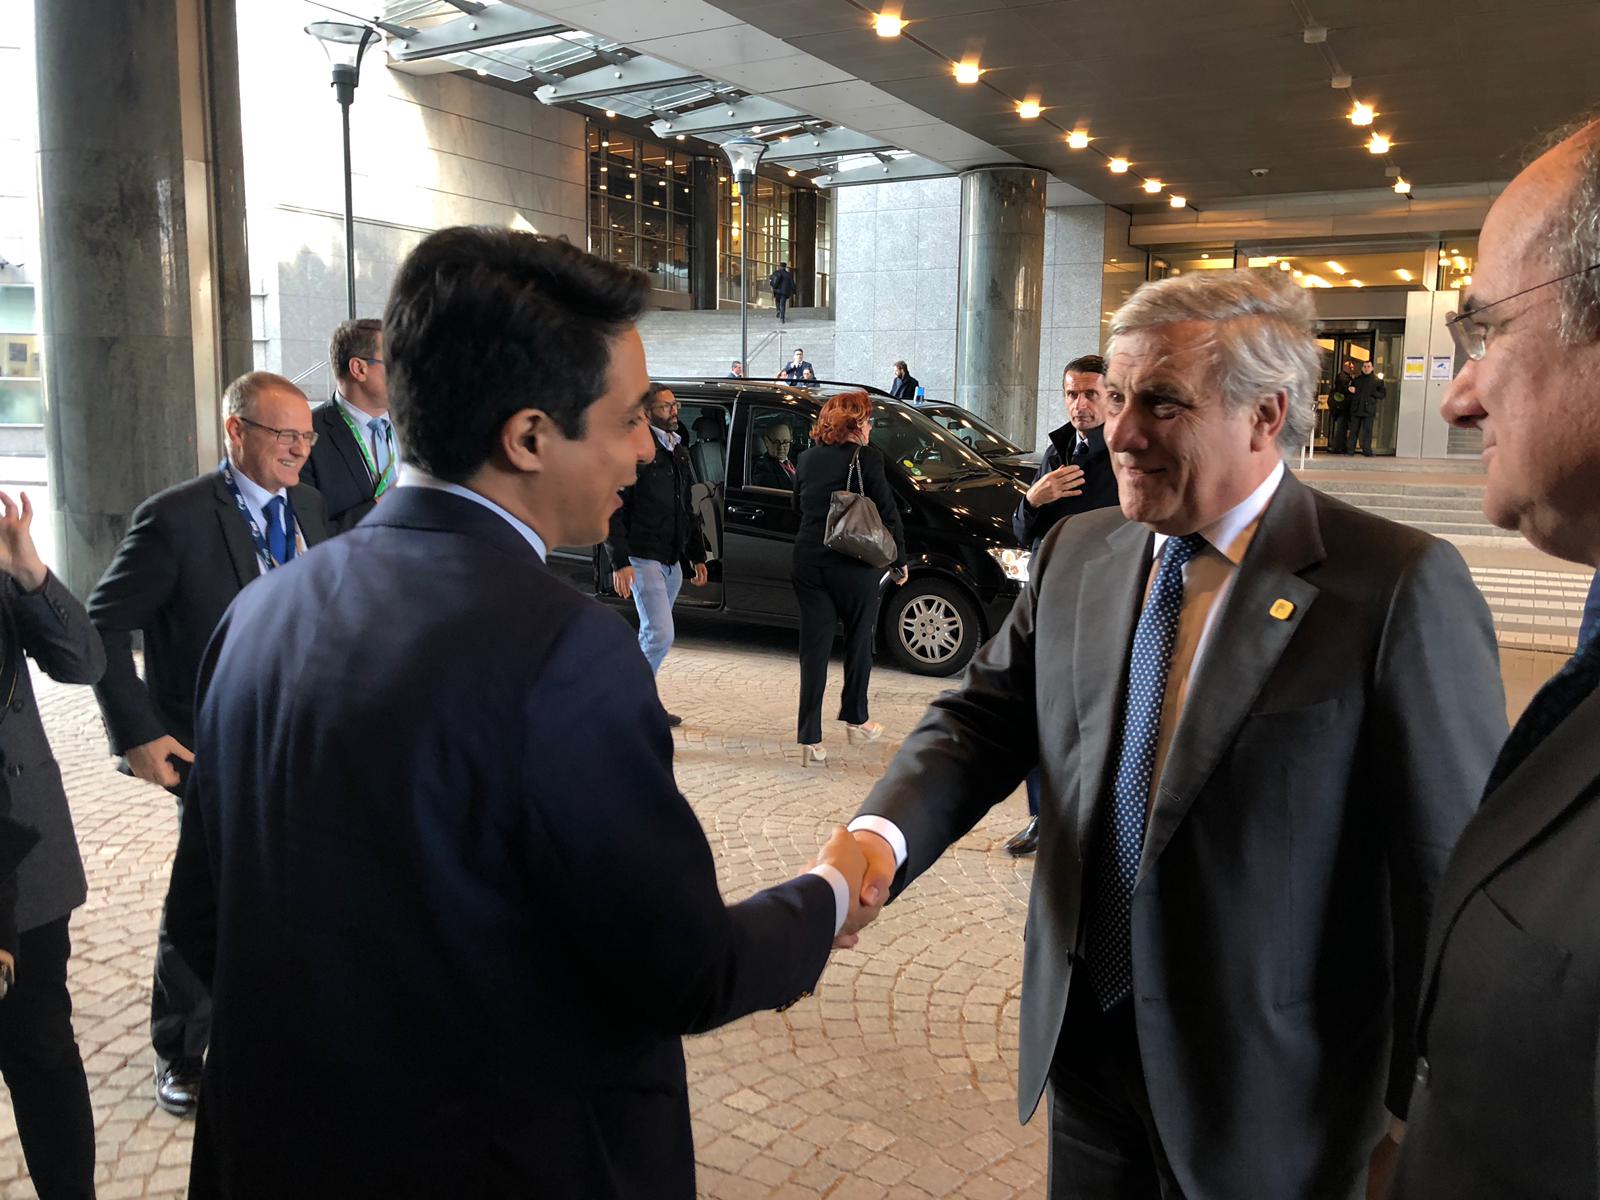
point(867, 863)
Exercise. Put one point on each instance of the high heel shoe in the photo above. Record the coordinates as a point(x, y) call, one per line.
point(812, 756)
point(868, 731)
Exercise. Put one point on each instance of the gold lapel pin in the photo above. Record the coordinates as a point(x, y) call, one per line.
point(1282, 609)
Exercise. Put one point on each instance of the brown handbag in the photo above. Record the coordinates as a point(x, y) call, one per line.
point(854, 526)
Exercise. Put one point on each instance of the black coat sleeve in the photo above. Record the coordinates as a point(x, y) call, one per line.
point(136, 586)
point(56, 632)
point(1025, 521)
point(875, 482)
point(617, 540)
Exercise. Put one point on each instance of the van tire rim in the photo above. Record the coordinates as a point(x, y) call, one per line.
point(931, 629)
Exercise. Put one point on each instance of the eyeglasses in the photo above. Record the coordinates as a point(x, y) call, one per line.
point(780, 441)
point(1472, 338)
point(375, 361)
point(284, 437)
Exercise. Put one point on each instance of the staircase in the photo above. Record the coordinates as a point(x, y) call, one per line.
point(1443, 497)
point(679, 343)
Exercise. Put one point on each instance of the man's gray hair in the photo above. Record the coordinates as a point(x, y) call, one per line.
point(1573, 235)
point(1264, 344)
point(239, 399)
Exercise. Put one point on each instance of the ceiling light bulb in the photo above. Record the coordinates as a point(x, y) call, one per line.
point(1335, 267)
point(1378, 144)
point(1284, 266)
point(1402, 186)
point(1466, 281)
point(1356, 283)
point(610, 116)
point(1153, 186)
point(967, 72)
point(481, 71)
point(1118, 166)
point(1405, 274)
point(1078, 139)
point(755, 129)
point(1362, 114)
point(1179, 202)
point(888, 24)
point(1028, 109)
point(792, 172)
point(1460, 262)
point(680, 137)
point(1298, 272)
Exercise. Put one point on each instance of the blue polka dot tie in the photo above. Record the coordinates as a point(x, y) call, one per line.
point(1115, 865)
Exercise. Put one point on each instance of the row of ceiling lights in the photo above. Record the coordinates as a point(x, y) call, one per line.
point(889, 24)
point(1361, 115)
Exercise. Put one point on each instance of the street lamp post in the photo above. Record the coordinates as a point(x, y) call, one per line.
point(744, 156)
point(345, 45)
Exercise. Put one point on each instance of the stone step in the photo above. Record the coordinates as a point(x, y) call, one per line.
point(1441, 524)
point(1345, 489)
point(1469, 465)
point(1472, 503)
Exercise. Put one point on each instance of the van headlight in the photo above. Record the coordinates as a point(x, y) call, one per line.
point(1013, 562)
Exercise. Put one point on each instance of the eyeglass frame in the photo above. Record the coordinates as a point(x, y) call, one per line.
point(1469, 336)
point(309, 437)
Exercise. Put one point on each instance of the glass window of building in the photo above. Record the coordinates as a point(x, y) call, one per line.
point(1403, 266)
point(640, 213)
point(771, 236)
point(21, 394)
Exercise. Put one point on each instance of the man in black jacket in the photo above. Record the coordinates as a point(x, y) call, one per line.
point(655, 534)
point(1075, 477)
point(904, 384)
point(355, 459)
point(1369, 389)
point(1344, 384)
point(783, 289)
point(188, 552)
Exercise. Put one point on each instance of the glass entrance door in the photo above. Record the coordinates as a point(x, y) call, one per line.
point(1337, 349)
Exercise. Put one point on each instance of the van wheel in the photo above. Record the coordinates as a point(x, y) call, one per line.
point(930, 627)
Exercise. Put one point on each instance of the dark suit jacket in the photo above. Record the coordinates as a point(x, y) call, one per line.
point(1591, 609)
point(767, 471)
point(337, 470)
point(1505, 1105)
point(1099, 485)
point(1323, 767)
point(903, 387)
point(186, 555)
point(50, 627)
point(464, 875)
point(1369, 390)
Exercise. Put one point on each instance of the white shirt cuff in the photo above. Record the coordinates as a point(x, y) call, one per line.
point(841, 892)
point(1397, 1129)
point(888, 831)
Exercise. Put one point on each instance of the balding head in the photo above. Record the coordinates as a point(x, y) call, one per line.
point(1534, 309)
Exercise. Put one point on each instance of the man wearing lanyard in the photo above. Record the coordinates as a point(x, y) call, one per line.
point(355, 459)
point(188, 552)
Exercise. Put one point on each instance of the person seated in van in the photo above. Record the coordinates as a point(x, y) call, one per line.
point(772, 467)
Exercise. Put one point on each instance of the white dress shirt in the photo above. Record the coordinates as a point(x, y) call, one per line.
point(416, 477)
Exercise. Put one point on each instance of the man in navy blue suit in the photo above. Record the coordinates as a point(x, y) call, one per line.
point(458, 914)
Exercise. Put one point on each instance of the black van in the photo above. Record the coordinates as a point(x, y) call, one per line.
point(966, 566)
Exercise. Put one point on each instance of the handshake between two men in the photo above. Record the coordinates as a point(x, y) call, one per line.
point(866, 863)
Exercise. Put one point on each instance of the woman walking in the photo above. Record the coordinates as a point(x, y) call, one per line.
point(831, 586)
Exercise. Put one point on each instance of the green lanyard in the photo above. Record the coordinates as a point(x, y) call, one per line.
point(386, 481)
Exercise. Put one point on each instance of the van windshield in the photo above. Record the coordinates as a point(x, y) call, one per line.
point(921, 447)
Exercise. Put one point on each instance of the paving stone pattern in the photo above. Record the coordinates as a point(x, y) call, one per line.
point(897, 1079)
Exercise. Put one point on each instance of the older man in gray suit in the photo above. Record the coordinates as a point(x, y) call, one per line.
point(1261, 718)
point(39, 1056)
point(1507, 1069)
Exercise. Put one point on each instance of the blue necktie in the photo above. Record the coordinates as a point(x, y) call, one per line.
point(380, 444)
point(1565, 690)
point(277, 539)
point(1080, 453)
point(1121, 842)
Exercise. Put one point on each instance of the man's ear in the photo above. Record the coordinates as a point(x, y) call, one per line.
point(1269, 415)
point(524, 435)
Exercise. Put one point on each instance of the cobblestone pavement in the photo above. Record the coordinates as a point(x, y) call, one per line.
point(896, 1080)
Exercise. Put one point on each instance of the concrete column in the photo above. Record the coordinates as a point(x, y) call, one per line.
point(703, 239)
point(803, 245)
point(145, 287)
point(999, 296)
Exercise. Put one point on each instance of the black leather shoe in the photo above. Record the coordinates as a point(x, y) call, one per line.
point(674, 720)
point(178, 1087)
point(1025, 842)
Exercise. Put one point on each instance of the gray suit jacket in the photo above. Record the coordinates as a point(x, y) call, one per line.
point(1506, 1101)
point(51, 627)
point(1323, 767)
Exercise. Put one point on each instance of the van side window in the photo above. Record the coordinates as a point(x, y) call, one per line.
point(777, 436)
